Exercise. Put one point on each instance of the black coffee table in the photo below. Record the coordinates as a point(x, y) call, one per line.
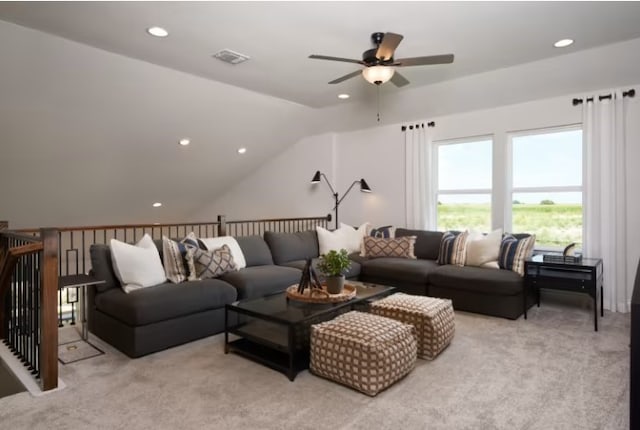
point(274, 330)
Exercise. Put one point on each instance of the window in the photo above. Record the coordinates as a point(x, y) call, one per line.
point(464, 184)
point(547, 186)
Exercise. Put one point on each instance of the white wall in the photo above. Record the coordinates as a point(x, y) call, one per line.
point(281, 187)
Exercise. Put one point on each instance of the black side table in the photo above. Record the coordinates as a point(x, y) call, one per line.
point(582, 277)
point(79, 282)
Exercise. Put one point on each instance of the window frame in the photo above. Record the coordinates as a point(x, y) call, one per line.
point(459, 191)
point(510, 189)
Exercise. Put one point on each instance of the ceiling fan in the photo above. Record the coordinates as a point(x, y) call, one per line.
point(380, 64)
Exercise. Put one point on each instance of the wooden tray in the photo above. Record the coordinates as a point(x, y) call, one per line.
point(321, 296)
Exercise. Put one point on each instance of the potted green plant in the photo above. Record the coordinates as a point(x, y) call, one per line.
point(333, 265)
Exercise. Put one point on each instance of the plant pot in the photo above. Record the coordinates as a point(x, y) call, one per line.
point(334, 284)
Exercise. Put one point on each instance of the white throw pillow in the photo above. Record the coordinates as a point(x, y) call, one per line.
point(346, 237)
point(137, 266)
point(328, 240)
point(353, 237)
point(213, 243)
point(482, 248)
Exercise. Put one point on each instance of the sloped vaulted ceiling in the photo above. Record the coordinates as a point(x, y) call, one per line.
point(92, 108)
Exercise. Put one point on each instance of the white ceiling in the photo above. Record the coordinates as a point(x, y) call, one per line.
point(279, 36)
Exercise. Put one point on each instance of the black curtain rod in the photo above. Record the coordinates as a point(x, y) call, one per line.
point(421, 125)
point(629, 93)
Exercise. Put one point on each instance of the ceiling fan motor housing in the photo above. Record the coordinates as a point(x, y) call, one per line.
point(369, 56)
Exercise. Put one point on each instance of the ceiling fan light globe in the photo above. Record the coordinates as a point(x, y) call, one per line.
point(378, 74)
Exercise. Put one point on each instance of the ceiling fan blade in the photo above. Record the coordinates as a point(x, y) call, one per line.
point(424, 61)
point(398, 80)
point(325, 57)
point(390, 42)
point(345, 77)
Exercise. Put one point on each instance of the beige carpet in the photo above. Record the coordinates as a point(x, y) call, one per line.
point(549, 372)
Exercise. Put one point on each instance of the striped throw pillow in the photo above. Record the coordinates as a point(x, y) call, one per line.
point(211, 264)
point(513, 252)
point(178, 258)
point(453, 248)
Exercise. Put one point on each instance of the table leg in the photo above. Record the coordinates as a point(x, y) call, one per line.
point(524, 299)
point(60, 308)
point(601, 301)
point(226, 330)
point(595, 310)
point(84, 305)
point(292, 348)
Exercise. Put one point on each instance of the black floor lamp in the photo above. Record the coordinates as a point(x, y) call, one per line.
point(364, 187)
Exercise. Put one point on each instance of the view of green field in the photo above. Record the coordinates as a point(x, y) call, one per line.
point(555, 225)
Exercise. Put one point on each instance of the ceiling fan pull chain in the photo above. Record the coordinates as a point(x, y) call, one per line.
point(378, 89)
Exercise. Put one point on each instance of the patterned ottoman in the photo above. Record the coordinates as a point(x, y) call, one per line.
point(363, 351)
point(433, 319)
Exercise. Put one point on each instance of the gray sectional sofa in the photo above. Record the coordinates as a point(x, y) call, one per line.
point(156, 318)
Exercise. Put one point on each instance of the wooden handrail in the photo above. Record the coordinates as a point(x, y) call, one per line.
point(118, 226)
point(10, 234)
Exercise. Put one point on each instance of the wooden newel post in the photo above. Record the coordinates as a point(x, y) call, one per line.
point(49, 309)
point(222, 225)
point(4, 242)
point(4, 297)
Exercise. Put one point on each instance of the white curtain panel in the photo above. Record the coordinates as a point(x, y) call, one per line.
point(419, 194)
point(604, 195)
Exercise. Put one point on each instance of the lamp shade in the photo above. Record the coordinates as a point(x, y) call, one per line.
point(378, 74)
point(364, 187)
point(316, 178)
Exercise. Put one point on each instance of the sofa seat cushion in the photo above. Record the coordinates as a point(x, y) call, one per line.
point(259, 281)
point(399, 269)
point(352, 273)
point(476, 279)
point(166, 301)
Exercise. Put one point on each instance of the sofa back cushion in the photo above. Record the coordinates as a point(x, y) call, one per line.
point(102, 267)
point(427, 245)
point(287, 247)
point(256, 251)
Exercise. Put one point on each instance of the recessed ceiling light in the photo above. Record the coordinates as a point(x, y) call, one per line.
point(157, 204)
point(184, 142)
point(157, 31)
point(242, 150)
point(563, 43)
point(343, 96)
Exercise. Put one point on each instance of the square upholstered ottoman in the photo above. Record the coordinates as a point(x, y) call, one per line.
point(433, 319)
point(363, 351)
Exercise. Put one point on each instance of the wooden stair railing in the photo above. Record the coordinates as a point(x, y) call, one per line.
point(28, 300)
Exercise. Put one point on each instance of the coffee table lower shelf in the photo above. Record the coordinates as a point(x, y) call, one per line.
point(276, 360)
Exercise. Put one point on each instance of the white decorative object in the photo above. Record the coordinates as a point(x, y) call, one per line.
point(482, 248)
point(213, 243)
point(346, 237)
point(328, 240)
point(354, 237)
point(137, 266)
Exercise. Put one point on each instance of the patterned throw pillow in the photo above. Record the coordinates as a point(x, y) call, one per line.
point(211, 264)
point(401, 247)
point(453, 248)
point(178, 258)
point(513, 252)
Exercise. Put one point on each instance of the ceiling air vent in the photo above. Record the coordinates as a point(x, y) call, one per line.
point(231, 57)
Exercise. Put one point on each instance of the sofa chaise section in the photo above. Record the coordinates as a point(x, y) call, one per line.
point(155, 318)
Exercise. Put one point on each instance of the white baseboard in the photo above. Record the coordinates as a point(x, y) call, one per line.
point(23, 374)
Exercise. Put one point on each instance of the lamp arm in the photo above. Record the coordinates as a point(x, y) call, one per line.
point(328, 183)
point(346, 192)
